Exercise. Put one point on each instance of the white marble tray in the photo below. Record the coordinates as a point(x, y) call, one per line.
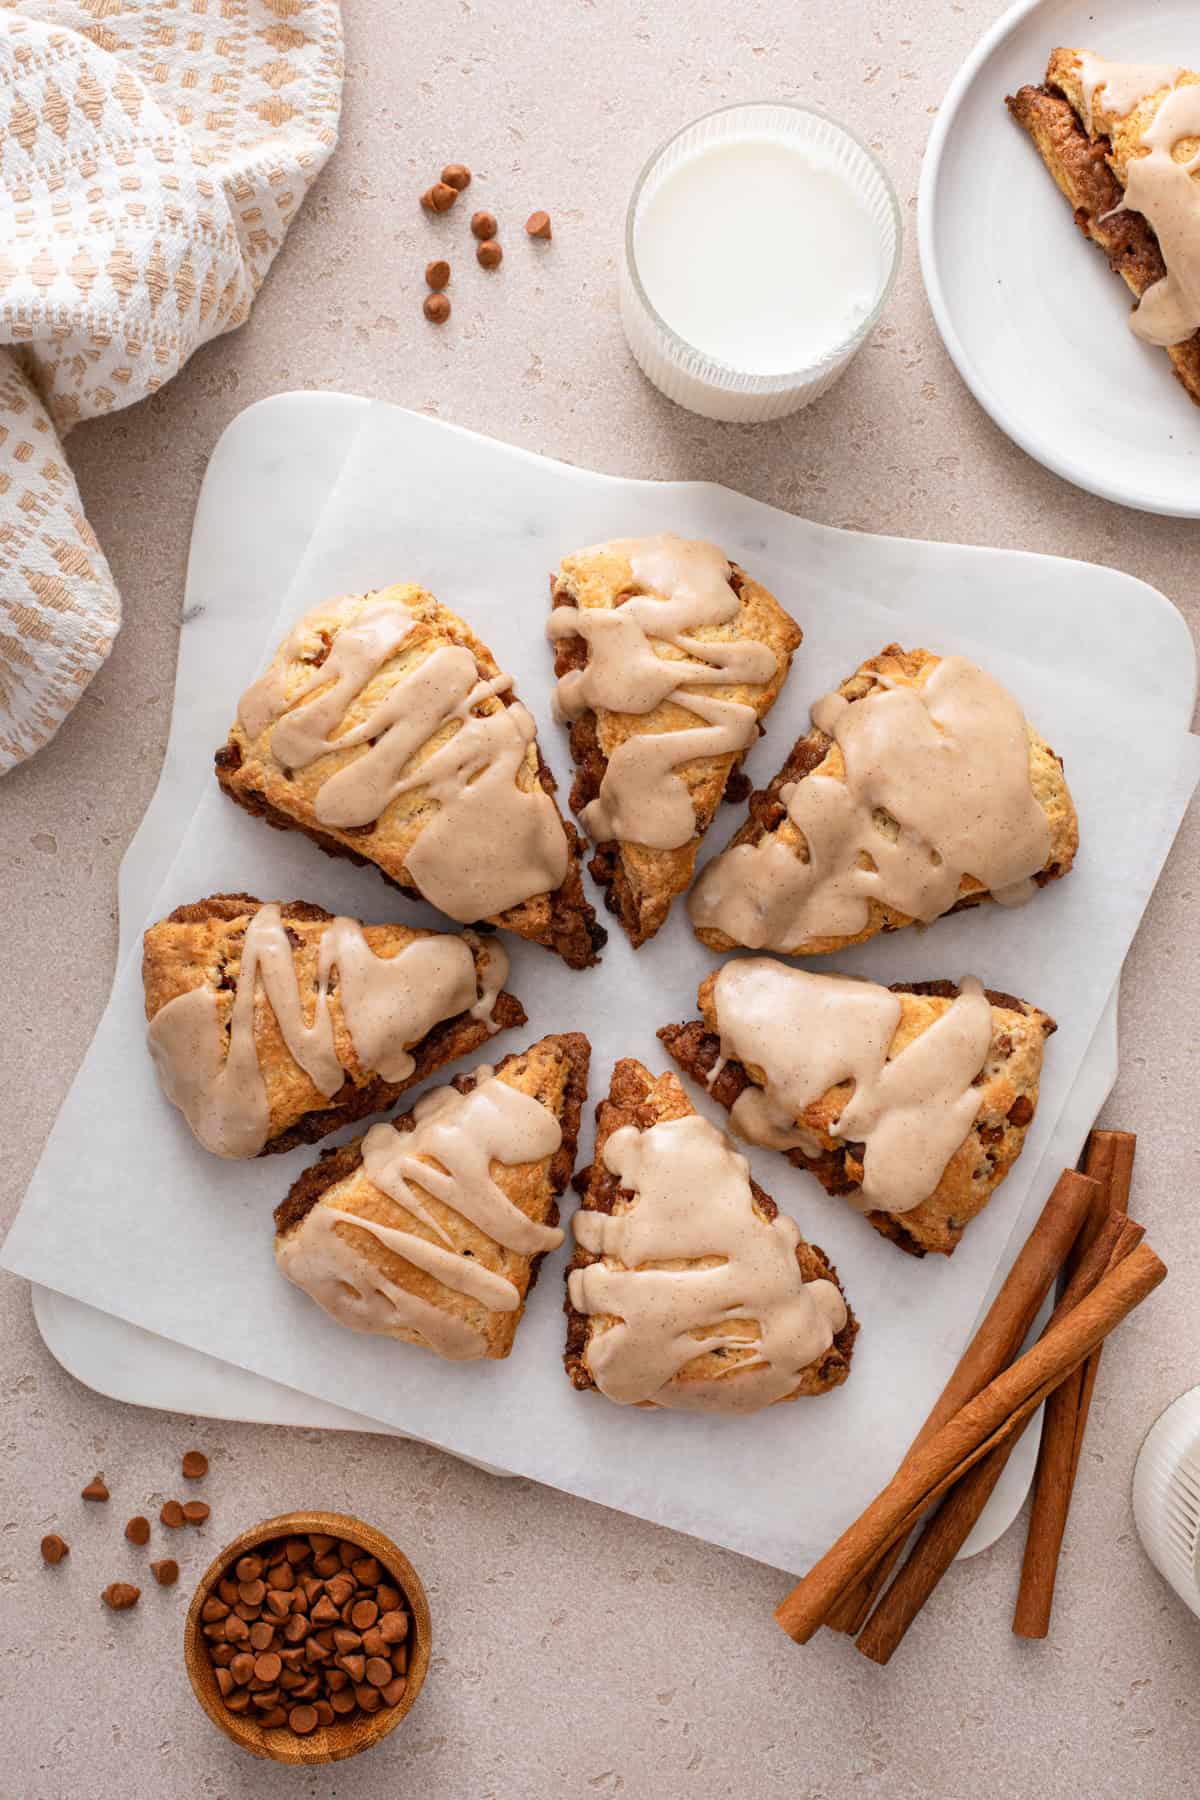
point(261, 498)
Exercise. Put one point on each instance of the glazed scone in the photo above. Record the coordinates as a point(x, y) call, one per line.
point(1093, 122)
point(384, 730)
point(688, 1288)
point(911, 1101)
point(920, 790)
point(431, 1228)
point(668, 656)
point(273, 1024)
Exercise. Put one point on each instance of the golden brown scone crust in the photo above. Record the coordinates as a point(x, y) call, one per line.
point(817, 753)
point(641, 883)
point(554, 1071)
point(1009, 1080)
point(248, 772)
point(201, 945)
point(1090, 173)
point(640, 1099)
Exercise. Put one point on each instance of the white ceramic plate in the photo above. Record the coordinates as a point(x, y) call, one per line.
point(1033, 317)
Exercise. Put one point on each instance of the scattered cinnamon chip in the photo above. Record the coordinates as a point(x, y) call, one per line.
point(436, 308)
point(195, 1511)
point(489, 254)
point(95, 1489)
point(437, 274)
point(483, 224)
point(538, 225)
point(195, 1465)
point(138, 1529)
point(121, 1595)
point(439, 198)
point(457, 176)
point(54, 1548)
point(172, 1514)
point(166, 1572)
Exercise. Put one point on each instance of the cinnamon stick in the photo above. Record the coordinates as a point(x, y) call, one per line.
point(999, 1337)
point(949, 1528)
point(1108, 1159)
point(980, 1426)
point(1111, 1154)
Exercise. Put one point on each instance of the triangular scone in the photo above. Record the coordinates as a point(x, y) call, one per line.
point(431, 1228)
point(273, 1024)
point(384, 730)
point(920, 790)
point(667, 657)
point(931, 1131)
point(1092, 121)
point(688, 1287)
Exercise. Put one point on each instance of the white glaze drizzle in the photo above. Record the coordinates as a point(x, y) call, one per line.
point(388, 1004)
point(446, 1161)
point(488, 844)
point(1124, 85)
point(686, 585)
point(1167, 193)
point(809, 1033)
point(689, 1254)
point(948, 762)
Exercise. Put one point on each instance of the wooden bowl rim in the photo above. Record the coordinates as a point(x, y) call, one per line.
point(328, 1743)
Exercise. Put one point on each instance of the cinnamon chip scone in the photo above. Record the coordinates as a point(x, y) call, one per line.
point(385, 731)
point(431, 1228)
point(911, 1101)
point(1122, 142)
point(668, 656)
point(688, 1287)
point(919, 791)
point(273, 1024)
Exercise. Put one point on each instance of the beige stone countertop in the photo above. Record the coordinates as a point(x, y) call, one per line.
point(578, 1652)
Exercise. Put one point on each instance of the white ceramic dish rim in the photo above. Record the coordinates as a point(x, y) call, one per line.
point(1060, 462)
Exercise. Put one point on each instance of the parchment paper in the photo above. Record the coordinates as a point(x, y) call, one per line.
point(125, 1210)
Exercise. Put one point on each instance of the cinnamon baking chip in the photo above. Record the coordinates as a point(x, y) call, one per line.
point(538, 225)
point(138, 1529)
point(457, 176)
point(195, 1465)
point(195, 1511)
point(171, 1514)
point(121, 1595)
point(95, 1489)
point(54, 1548)
point(166, 1572)
point(439, 198)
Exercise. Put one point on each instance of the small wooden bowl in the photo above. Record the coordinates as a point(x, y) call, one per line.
point(328, 1743)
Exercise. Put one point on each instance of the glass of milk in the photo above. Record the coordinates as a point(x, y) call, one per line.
point(761, 243)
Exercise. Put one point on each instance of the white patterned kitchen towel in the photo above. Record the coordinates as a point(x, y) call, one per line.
point(152, 156)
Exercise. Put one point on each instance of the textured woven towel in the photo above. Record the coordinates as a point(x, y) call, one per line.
point(152, 155)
